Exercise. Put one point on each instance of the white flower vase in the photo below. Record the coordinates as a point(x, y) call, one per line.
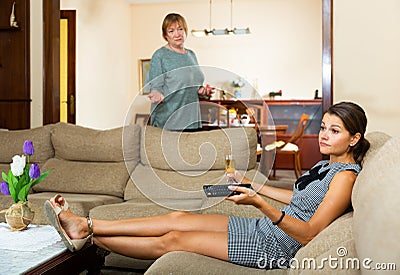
point(19, 215)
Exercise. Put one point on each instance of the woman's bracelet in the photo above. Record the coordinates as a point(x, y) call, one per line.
point(280, 219)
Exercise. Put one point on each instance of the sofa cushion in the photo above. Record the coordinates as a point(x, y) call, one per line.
point(180, 263)
point(220, 206)
point(138, 208)
point(125, 262)
point(108, 178)
point(13, 141)
point(377, 207)
point(4, 167)
point(80, 204)
point(198, 151)
point(77, 143)
point(5, 202)
point(167, 184)
point(377, 140)
point(332, 237)
point(331, 262)
point(163, 187)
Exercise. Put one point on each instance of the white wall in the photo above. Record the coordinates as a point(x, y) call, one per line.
point(367, 59)
point(103, 54)
point(36, 40)
point(282, 52)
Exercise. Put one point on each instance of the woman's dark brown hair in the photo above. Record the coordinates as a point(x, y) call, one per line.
point(172, 18)
point(355, 121)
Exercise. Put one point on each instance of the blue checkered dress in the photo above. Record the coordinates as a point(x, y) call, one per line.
point(256, 242)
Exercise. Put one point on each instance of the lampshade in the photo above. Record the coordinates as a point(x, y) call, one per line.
point(200, 33)
point(226, 31)
point(220, 31)
point(241, 31)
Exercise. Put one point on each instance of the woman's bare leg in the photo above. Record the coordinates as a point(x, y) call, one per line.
point(159, 225)
point(77, 227)
point(213, 244)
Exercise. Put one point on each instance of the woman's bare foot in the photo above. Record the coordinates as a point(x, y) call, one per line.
point(75, 226)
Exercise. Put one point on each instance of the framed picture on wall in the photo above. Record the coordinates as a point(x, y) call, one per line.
point(144, 69)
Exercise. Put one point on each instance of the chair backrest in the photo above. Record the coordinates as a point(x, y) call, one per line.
point(301, 126)
point(213, 114)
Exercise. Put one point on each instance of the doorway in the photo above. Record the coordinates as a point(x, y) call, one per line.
point(67, 66)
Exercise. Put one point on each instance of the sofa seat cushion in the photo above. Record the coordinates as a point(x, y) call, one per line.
point(107, 178)
point(80, 204)
point(198, 151)
point(12, 142)
point(77, 143)
point(376, 207)
point(180, 263)
point(139, 208)
point(121, 261)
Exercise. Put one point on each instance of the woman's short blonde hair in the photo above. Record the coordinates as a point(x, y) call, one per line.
point(172, 18)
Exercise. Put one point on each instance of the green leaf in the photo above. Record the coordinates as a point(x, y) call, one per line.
point(12, 181)
point(4, 176)
point(23, 193)
point(41, 178)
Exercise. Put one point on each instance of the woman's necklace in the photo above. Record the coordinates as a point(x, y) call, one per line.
point(180, 50)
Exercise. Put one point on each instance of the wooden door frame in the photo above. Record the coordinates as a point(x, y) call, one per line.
point(51, 58)
point(51, 61)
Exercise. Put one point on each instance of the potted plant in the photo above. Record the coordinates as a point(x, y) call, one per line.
point(21, 177)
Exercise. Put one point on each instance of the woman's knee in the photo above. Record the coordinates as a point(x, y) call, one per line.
point(177, 215)
point(171, 242)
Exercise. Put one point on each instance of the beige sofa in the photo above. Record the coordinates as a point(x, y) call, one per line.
point(136, 172)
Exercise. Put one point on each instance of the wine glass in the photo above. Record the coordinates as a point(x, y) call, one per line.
point(230, 167)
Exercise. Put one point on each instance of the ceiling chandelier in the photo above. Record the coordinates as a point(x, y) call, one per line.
point(226, 31)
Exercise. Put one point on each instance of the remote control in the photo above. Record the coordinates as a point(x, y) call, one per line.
point(221, 190)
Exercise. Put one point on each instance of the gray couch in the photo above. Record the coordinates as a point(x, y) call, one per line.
point(136, 172)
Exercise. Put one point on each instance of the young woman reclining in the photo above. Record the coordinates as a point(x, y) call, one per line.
point(319, 196)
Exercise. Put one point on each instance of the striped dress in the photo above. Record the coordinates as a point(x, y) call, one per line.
point(256, 242)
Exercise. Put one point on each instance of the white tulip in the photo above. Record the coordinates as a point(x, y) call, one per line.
point(18, 165)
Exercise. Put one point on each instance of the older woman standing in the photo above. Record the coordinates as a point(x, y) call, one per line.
point(176, 80)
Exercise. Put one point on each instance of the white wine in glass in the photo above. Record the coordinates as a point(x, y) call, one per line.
point(229, 164)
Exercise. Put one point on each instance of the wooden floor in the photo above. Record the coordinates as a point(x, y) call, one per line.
point(285, 179)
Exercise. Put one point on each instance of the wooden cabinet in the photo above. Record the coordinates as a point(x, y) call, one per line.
point(267, 116)
point(15, 98)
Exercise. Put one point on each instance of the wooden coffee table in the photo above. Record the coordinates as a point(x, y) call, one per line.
point(71, 263)
point(52, 259)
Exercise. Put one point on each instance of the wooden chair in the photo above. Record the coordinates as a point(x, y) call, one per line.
point(290, 148)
